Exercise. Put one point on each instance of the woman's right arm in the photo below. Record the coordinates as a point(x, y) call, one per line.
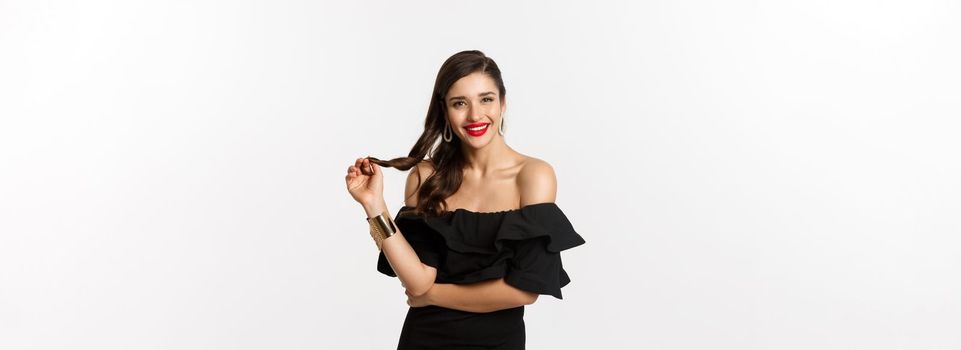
point(416, 277)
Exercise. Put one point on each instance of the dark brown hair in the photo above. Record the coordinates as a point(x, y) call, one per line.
point(447, 157)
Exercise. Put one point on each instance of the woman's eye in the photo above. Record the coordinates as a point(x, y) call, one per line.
point(456, 104)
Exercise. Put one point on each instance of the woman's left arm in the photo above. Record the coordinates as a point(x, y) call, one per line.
point(485, 296)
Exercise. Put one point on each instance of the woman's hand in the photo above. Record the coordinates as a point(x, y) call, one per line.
point(365, 182)
point(418, 301)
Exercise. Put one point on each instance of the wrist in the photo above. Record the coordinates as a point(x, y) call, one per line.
point(375, 208)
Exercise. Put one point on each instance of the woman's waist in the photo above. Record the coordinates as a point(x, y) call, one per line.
point(440, 314)
point(448, 328)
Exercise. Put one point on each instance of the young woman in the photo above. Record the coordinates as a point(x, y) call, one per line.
point(479, 235)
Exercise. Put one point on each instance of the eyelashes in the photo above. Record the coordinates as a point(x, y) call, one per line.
point(485, 98)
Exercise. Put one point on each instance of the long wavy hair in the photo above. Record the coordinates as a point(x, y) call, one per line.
point(447, 157)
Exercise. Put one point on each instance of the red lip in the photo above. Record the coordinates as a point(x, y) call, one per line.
point(477, 133)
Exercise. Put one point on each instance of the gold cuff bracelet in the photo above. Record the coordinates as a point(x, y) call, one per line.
point(381, 227)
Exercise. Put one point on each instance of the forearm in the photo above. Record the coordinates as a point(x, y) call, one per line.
point(413, 274)
point(485, 296)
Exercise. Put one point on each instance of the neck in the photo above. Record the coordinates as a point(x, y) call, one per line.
point(484, 161)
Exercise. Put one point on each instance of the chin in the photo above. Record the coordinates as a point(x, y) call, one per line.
point(479, 143)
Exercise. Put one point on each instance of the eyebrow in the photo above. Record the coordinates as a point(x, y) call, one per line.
point(464, 98)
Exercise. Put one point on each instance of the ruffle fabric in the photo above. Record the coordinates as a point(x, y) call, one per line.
point(520, 245)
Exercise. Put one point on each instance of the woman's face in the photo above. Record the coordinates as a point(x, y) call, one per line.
point(474, 109)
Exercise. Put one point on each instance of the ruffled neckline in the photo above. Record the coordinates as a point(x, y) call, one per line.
point(482, 213)
point(469, 231)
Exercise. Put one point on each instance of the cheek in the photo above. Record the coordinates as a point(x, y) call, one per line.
point(456, 116)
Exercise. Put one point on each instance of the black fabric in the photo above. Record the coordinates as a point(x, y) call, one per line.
point(437, 328)
point(520, 245)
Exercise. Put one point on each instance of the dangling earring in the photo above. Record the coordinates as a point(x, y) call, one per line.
point(446, 130)
point(500, 130)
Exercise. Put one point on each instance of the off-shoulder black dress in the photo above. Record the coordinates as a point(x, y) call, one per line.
point(521, 245)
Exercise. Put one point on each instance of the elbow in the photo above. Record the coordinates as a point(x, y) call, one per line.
point(421, 287)
point(419, 290)
point(416, 292)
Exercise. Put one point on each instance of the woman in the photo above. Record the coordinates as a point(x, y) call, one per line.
point(479, 235)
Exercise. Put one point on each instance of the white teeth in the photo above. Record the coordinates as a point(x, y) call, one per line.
point(479, 128)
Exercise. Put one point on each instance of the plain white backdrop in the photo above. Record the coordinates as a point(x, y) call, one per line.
point(747, 174)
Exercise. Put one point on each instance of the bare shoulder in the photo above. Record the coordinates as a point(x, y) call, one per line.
point(536, 182)
point(417, 175)
point(425, 167)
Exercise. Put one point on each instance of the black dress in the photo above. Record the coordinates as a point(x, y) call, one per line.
point(521, 245)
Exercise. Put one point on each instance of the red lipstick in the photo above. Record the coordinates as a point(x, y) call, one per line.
point(479, 129)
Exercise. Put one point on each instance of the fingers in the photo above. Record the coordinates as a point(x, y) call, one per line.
point(363, 166)
point(358, 167)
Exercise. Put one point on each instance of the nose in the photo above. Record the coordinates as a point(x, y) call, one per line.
point(476, 114)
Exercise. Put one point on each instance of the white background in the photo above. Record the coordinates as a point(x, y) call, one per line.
point(747, 174)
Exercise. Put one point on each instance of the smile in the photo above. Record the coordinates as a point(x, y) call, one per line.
point(476, 129)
